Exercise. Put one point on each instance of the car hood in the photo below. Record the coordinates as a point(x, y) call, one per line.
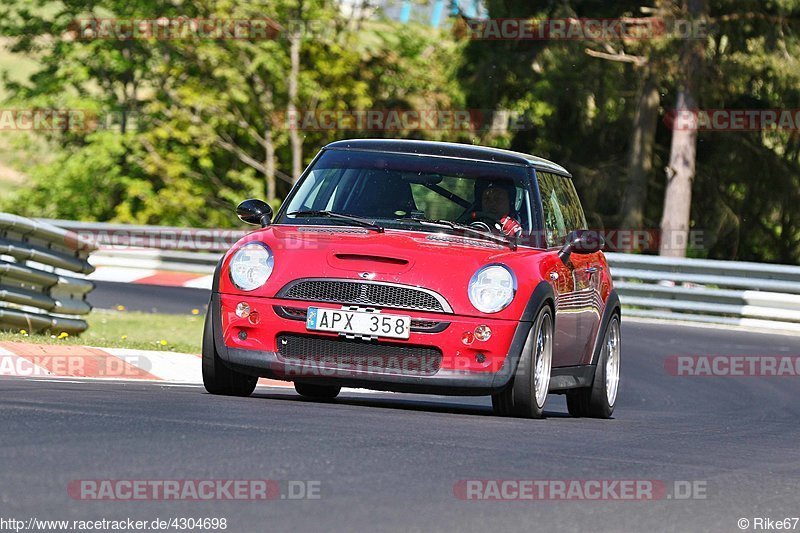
point(441, 262)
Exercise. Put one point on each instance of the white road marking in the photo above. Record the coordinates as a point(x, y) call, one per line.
point(12, 364)
point(200, 283)
point(168, 366)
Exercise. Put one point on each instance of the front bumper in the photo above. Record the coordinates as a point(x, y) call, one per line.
point(480, 368)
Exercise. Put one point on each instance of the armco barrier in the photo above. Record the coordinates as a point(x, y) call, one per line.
point(725, 292)
point(35, 295)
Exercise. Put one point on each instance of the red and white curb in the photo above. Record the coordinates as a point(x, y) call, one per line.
point(53, 361)
point(152, 277)
point(64, 362)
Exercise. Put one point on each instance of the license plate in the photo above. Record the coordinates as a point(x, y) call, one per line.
point(358, 323)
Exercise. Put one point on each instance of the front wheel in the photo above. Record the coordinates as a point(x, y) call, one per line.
point(218, 378)
point(526, 395)
point(598, 400)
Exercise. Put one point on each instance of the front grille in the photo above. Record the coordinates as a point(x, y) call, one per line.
point(374, 294)
point(292, 313)
point(347, 355)
point(428, 325)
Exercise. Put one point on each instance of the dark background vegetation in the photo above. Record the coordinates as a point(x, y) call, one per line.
point(190, 127)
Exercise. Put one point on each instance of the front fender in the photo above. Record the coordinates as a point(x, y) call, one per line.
point(542, 295)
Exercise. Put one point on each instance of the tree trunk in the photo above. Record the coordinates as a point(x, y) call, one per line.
point(269, 151)
point(269, 172)
point(640, 156)
point(682, 158)
point(294, 135)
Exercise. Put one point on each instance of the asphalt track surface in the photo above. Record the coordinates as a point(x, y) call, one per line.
point(389, 462)
point(148, 298)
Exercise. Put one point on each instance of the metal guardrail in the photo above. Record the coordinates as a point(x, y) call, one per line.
point(151, 259)
point(699, 290)
point(35, 295)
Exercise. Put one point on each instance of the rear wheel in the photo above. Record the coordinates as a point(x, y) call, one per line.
point(309, 390)
point(526, 395)
point(218, 378)
point(598, 400)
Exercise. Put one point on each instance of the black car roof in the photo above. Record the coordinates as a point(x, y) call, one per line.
point(435, 148)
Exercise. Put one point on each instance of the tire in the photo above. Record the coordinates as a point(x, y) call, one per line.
point(322, 392)
point(218, 378)
point(599, 400)
point(526, 395)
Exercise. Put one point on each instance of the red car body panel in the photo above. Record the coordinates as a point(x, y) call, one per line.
point(412, 258)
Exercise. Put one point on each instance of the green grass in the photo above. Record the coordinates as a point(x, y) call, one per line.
point(125, 329)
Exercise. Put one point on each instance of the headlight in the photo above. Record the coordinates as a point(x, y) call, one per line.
point(251, 266)
point(492, 288)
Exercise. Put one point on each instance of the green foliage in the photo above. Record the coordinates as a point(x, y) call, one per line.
point(581, 110)
point(187, 124)
point(83, 183)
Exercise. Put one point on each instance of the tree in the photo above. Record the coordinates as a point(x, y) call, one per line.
point(675, 220)
point(201, 121)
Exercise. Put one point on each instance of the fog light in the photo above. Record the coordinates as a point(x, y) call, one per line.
point(242, 310)
point(483, 333)
point(480, 358)
point(242, 335)
point(467, 337)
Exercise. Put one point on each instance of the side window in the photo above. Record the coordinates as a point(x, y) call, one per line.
point(570, 205)
point(554, 225)
point(561, 207)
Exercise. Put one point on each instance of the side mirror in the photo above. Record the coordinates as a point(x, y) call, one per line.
point(255, 212)
point(582, 241)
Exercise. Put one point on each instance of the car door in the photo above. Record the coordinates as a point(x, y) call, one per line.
point(576, 284)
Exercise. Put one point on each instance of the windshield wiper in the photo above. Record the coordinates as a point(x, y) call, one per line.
point(338, 216)
point(500, 239)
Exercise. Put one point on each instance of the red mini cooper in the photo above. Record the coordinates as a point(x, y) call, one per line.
point(421, 267)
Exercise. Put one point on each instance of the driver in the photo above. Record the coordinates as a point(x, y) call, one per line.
point(496, 201)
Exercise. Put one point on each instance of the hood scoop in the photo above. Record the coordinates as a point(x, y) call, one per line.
point(368, 263)
point(465, 241)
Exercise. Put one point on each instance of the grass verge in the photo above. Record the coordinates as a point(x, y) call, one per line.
point(127, 329)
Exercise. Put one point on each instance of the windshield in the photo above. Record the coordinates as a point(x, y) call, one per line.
point(400, 190)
